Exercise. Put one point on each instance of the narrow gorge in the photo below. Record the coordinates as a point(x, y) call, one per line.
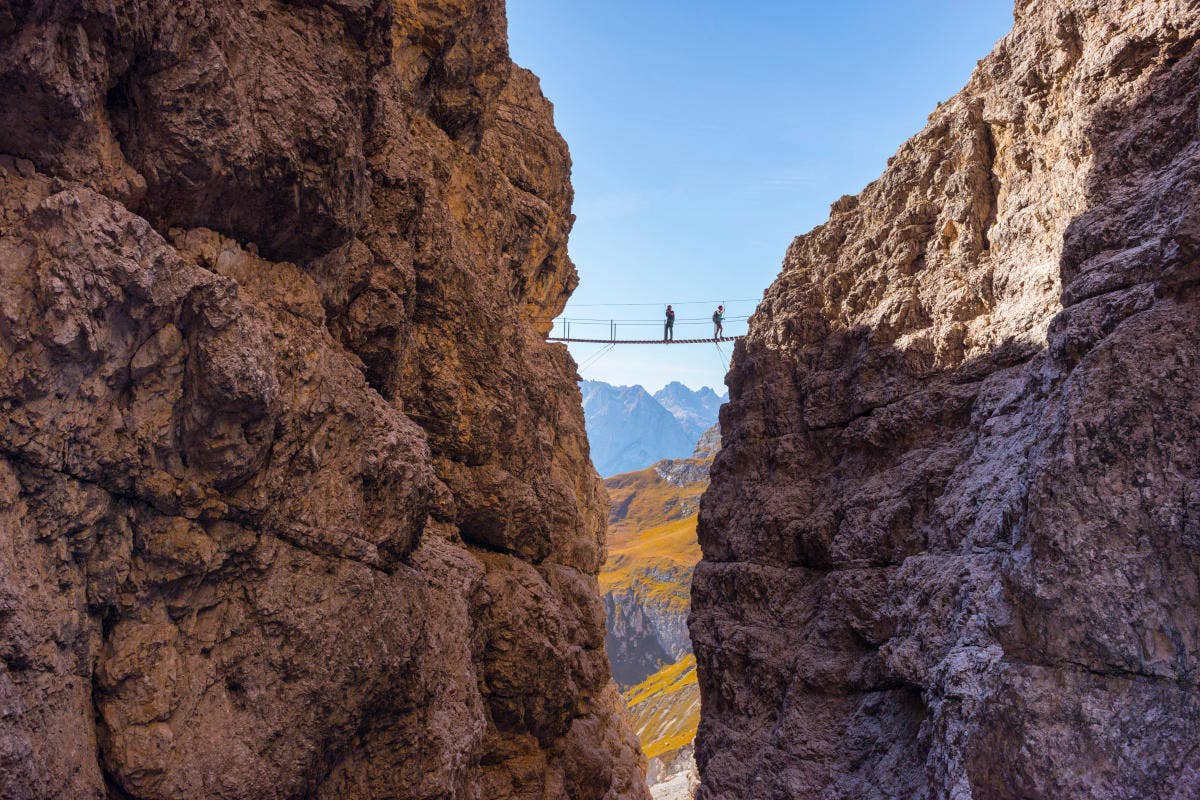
point(295, 499)
point(647, 585)
point(952, 540)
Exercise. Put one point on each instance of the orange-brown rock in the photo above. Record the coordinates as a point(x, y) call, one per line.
point(951, 544)
point(295, 500)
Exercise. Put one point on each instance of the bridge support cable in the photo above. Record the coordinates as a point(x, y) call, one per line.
point(721, 355)
point(594, 358)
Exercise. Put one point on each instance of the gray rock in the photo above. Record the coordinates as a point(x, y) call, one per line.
point(696, 409)
point(951, 546)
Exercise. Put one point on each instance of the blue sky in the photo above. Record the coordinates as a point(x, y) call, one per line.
point(705, 135)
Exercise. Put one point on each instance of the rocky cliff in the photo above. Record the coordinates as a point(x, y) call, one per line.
point(952, 542)
point(295, 500)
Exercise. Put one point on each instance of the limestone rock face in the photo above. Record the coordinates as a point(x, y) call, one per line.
point(295, 500)
point(951, 544)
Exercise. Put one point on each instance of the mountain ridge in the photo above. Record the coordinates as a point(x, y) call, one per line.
point(630, 429)
point(696, 409)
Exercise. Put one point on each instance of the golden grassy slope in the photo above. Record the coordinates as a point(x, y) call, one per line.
point(652, 551)
point(642, 500)
point(656, 566)
point(666, 708)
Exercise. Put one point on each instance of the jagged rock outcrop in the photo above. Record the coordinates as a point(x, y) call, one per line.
point(295, 500)
point(709, 444)
point(951, 545)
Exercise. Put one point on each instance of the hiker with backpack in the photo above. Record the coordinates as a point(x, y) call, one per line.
point(718, 318)
point(669, 326)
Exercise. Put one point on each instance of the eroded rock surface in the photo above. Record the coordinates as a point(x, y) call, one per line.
point(295, 500)
point(951, 544)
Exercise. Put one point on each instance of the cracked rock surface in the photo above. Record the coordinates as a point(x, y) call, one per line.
point(295, 499)
point(952, 540)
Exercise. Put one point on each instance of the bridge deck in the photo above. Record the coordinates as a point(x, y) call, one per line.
point(644, 341)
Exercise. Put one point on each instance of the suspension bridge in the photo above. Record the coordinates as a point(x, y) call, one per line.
point(610, 340)
point(611, 332)
point(599, 330)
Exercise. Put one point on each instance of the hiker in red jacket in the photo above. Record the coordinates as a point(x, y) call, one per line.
point(669, 326)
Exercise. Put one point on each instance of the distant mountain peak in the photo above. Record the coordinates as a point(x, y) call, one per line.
point(630, 429)
point(696, 409)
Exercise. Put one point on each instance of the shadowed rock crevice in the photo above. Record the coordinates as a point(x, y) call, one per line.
point(947, 541)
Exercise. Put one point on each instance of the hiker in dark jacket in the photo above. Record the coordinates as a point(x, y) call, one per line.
point(669, 326)
point(718, 318)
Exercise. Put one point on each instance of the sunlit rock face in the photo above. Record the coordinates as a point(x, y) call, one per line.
point(295, 500)
point(951, 544)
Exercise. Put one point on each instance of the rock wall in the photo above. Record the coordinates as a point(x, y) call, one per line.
point(951, 545)
point(295, 500)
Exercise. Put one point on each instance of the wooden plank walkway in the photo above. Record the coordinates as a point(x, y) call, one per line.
point(644, 341)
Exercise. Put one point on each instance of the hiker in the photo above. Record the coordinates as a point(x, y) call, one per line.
point(718, 318)
point(669, 326)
